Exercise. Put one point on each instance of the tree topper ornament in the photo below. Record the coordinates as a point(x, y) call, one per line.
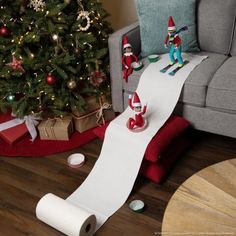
point(138, 123)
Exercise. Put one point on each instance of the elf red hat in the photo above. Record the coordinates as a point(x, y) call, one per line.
point(136, 100)
point(126, 43)
point(171, 24)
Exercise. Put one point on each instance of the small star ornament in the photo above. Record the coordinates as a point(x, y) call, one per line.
point(16, 64)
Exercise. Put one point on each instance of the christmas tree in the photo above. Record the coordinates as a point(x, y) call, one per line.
point(53, 53)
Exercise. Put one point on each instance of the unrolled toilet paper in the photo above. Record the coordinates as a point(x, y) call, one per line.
point(111, 180)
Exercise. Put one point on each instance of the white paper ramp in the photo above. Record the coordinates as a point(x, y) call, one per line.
point(111, 180)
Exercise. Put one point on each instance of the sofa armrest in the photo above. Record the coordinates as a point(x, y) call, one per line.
point(115, 52)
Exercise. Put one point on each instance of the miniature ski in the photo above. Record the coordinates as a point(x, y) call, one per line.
point(167, 67)
point(173, 72)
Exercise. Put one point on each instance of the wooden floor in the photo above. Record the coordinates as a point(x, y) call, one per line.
point(23, 181)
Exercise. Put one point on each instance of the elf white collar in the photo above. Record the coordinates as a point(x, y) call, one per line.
point(128, 54)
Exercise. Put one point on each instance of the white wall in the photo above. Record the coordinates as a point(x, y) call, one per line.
point(123, 12)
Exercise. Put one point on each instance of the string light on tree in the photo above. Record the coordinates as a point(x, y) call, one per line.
point(10, 97)
point(55, 37)
point(77, 50)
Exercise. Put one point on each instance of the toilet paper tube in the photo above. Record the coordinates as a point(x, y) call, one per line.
point(65, 217)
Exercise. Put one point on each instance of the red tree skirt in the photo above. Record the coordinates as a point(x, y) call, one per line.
point(43, 147)
point(26, 148)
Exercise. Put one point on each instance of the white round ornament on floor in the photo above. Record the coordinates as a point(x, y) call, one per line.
point(137, 206)
point(76, 160)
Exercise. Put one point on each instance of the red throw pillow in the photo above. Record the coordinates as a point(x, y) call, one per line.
point(173, 127)
point(100, 131)
point(157, 171)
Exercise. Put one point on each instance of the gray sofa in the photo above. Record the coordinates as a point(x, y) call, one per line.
point(208, 98)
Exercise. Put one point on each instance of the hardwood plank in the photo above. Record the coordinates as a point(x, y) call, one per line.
point(205, 203)
point(17, 213)
point(24, 180)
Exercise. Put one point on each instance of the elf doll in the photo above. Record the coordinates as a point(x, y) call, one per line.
point(135, 105)
point(174, 41)
point(127, 59)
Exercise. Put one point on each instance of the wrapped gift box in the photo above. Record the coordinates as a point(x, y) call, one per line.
point(98, 111)
point(14, 134)
point(56, 129)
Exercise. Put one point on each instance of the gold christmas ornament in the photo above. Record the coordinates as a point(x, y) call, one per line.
point(71, 84)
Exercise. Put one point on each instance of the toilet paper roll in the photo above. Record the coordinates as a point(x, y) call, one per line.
point(65, 217)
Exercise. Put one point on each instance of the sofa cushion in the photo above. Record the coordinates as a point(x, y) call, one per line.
point(222, 89)
point(215, 25)
point(195, 87)
point(153, 19)
point(233, 48)
point(194, 90)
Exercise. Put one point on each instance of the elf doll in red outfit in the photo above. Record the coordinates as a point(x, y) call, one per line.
point(135, 104)
point(128, 58)
point(174, 41)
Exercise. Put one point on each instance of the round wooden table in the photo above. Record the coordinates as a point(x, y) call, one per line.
point(205, 204)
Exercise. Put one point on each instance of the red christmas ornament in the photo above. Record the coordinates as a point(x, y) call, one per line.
point(4, 31)
point(97, 78)
point(51, 79)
